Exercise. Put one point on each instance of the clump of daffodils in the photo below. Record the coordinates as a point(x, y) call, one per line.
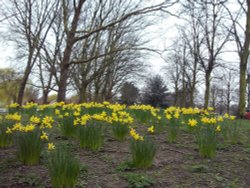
point(21, 128)
point(13, 105)
point(121, 117)
point(13, 117)
point(82, 120)
point(29, 105)
point(209, 120)
point(47, 122)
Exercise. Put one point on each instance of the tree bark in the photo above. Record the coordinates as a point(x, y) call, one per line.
point(45, 96)
point(207, 89)
point(243, 66)
point(228, 94)
point(70, 41)
point(23, 85)
point(62, 85)
point(243, 84)
point(83, 93)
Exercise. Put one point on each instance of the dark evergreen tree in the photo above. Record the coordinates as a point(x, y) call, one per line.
point(129, 93)
point(155, 92)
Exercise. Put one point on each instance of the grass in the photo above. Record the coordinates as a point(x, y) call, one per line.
point(137, 180)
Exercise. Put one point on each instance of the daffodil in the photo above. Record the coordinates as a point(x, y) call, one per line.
point(76, 113)
point(176, 115)
point(35, 120)
point(210, 108)
point(168, 116)
point(218, 128)
point(151, 129)
point(220, 118)
point(135, 135)
point(51, 146)
point(8, 131)
point(47, 122)
point(192, 122)
point(44, 136)
point(57, 112)
point(232, 117)
point(66, 114)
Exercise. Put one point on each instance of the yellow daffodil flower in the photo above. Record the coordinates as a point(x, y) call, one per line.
point(51, 146)
point(151, 129)
point(192, 122)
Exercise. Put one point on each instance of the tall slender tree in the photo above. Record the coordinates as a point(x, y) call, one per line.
point(242, 43)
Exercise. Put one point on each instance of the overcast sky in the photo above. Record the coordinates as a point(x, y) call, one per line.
point(158, 34)
point(161, 36)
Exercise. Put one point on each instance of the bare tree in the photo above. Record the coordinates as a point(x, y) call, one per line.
point(191, 34)
point(76, 32)
point(173, 72)
point(248, 91)
point(242, 42)
point(229, 89)
point(29, 25)
point(217, 97)
point(205, 37)
point(49, 59)
point(215, 39)
point(182, 68)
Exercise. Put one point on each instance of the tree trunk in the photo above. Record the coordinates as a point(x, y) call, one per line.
point(70, 41)
point(243, 84)
point(23, 85)
point(248, 95)
point(109, 95)
point(89, 94)
point(62, 85)
point(83, 94)
point(228, 107)
point(193, 85)
point(96, 96)
point(192, 96)
point(243, 66)
point(228, 96)
point(176, 96)
point(207, 89)
point(183, 97)
point(45, 97)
